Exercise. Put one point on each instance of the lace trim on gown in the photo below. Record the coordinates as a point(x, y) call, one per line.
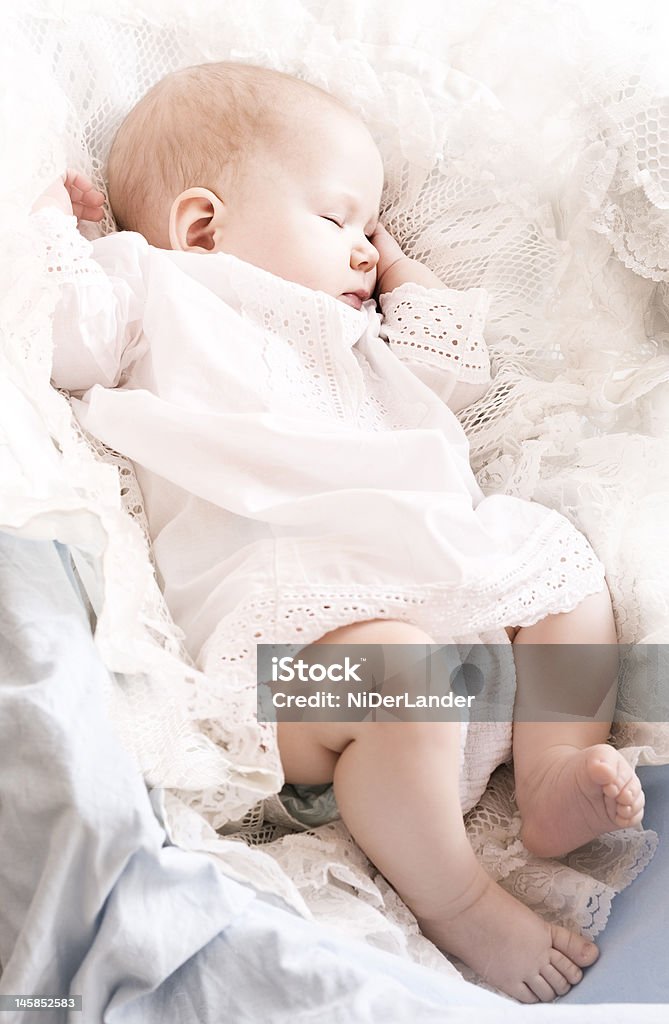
point(439, 326)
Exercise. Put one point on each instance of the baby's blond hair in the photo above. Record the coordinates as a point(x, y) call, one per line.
point(196, 127)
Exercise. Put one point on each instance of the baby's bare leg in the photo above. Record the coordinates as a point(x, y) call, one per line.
point(570, 784)
point(396, 785)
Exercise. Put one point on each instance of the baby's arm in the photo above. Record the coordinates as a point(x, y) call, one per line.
point(435, 330)
point(101, 284)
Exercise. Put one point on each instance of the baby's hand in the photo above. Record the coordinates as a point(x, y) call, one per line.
point(87, 201)
point(395, 269)
point(389, 255)
point(73, 194)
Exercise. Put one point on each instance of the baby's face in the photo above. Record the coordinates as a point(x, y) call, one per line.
point(306, 212)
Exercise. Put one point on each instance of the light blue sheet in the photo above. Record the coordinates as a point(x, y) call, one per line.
point(634, 965)
point(91, 900)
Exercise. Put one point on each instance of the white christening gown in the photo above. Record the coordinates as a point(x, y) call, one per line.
point(301, 466)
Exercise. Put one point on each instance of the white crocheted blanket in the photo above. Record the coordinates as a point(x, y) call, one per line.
point(550, 189)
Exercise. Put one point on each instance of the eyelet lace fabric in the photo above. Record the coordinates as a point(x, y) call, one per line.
point(421, 325)
point(566, 234)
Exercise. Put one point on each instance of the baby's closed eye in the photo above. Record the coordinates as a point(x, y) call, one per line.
point(340, 223)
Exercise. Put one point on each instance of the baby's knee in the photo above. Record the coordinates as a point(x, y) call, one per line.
point(377, 631)
point(385, 643)
point(595, 619)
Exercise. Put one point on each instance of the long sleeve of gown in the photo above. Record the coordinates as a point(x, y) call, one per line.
point(438, 334)
point(97, 321)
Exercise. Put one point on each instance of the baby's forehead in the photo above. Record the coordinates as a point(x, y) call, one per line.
point(333, 147)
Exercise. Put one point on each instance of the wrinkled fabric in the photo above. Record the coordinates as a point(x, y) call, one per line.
point(93, 903)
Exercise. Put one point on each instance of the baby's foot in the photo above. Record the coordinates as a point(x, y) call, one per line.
point(511, 948)
point(578, 795)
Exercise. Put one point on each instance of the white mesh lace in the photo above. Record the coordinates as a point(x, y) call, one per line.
point(575, 262)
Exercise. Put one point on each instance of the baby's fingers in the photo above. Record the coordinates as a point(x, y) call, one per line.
point(87, 201)
point(385, 244)
point(77, 181)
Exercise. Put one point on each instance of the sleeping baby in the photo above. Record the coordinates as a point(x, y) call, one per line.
point(306, 481)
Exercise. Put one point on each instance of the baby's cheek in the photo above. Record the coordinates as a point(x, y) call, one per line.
point(309, 273)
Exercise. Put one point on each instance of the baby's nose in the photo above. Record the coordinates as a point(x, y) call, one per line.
point(364, 256)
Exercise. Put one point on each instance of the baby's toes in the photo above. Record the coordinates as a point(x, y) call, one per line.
point(570, 971)
point(556, 979)
point(625, 781)
point(542, 989)
point(613, 788)
point(633, 788)
point(630, 805)
point(571, 951)
point(603, 765)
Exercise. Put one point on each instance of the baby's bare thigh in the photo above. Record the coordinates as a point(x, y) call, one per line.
point(310, 750)
point(306, 757)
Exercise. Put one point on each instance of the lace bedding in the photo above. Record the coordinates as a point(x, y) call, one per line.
point(575, 260)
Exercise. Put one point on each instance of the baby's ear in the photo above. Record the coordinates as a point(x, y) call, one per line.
point(196, 221)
